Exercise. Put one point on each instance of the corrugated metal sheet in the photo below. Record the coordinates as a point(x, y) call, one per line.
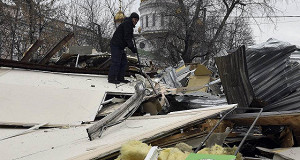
point(271, 74)
point(194, 100)
point(295, 56)
point(201, 100)
point(233, 73)
point(291, 102)
point(170, 78)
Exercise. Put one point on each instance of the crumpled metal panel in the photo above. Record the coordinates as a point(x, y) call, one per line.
point(234, 77)
point(295, 56)
point(201, 100)
point(291, 102)
point(271, 73)
point(170, 78)
point(194, 100)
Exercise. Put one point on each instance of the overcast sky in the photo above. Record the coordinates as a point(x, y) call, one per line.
point(285, 29)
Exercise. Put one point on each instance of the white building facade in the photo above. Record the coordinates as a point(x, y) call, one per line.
point(153, 21)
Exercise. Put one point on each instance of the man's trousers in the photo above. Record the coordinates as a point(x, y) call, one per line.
point(118, 64)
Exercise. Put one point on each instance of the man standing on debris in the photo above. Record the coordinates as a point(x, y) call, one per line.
point(122, 38)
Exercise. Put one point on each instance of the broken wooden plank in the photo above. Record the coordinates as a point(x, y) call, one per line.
point(267, 118)
point(24, 132)
point(57, 47)
point(29, 53)
point(174, 139)
point(287, 118)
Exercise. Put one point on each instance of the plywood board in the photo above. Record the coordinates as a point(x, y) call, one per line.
point(196, 81)
point(73, 143)
point(34, 97)
point(201, 70)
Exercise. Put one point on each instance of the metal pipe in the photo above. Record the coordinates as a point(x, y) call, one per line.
point(77, 59)
point(138, 57)
point(207, 136)
point(141, 71)
point(243, 140)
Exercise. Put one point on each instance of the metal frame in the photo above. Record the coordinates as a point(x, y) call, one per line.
point(243, 140)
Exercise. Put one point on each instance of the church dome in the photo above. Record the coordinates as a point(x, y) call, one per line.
point(119, 17)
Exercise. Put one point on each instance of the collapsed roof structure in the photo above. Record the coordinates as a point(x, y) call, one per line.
point(65, 112)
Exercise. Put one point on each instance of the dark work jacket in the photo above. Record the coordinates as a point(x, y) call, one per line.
point(123, 35)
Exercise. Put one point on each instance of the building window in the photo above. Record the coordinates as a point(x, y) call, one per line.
point(142, 23)
point(146, 20)
point(162, 21)
point(153, 19)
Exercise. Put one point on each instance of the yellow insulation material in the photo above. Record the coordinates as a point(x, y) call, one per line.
point(218, 150)
point(184, 147)
point(172, 154)
point(134, 150)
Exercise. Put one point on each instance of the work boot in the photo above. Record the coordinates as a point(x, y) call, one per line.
point(124, 81)
point(113, 81)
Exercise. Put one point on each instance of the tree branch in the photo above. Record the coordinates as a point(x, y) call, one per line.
point(226, 4)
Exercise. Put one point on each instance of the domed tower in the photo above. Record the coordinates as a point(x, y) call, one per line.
point(152, 15)
point(120, 16)
point(154, 22)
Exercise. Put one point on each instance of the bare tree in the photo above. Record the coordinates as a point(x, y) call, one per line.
point(246, 8)
point(29, 20)
point(201, 28)
point(97, 17)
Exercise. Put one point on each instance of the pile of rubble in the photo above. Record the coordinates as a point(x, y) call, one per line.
point(176, 113)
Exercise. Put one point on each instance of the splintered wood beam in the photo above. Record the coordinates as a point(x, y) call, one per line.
point(57, 47)
point(28, 54)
